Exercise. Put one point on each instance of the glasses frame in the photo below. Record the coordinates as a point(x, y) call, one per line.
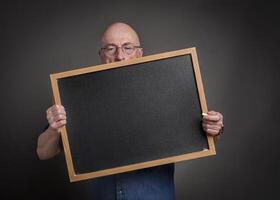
point(117, 47)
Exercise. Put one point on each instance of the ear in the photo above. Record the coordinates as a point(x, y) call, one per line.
point(101, 56)
point(139, 52)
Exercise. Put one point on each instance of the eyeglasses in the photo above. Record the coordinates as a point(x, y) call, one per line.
point(127, 49)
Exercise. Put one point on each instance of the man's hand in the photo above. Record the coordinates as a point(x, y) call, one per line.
point(56, 117)
point(212, 123)
point(48, 141)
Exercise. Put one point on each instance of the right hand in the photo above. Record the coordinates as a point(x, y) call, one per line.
point(56, 117)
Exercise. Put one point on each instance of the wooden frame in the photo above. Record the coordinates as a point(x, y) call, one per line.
point(206, 152)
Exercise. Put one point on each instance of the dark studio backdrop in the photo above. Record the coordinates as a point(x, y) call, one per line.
point(238, 50)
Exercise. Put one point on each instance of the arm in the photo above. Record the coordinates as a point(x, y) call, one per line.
point(48, 144)
point(48, 141)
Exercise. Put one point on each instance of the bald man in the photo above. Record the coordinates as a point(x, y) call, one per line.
point(121, 42)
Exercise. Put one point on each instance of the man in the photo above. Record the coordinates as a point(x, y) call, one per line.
point(120, 42)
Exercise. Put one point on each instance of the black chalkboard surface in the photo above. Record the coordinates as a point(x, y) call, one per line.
point(132, 114)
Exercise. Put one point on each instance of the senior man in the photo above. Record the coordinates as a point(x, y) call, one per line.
point(121, 42)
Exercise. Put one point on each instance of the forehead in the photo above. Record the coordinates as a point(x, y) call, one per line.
point(119, 37)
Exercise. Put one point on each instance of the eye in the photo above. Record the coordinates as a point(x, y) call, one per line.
point(110, 48)
point(128, 47)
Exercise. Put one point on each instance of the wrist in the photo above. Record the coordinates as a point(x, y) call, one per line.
point(52, 131)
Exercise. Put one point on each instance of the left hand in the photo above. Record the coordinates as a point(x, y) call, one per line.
point(212, 123)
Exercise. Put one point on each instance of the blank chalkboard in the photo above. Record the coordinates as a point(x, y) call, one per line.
point(132, 114)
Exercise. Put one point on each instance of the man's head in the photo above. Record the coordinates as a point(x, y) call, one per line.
point(119, 42)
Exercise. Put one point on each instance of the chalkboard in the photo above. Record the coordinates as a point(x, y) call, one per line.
point(132, 114)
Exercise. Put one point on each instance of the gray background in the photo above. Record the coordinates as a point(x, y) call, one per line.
point(238, 47)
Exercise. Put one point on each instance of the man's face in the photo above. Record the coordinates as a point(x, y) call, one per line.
point(120, 43)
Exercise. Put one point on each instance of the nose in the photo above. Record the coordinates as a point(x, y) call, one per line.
point(119, 55)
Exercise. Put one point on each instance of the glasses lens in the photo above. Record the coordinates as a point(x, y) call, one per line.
point(128, 49)
point(110, 50)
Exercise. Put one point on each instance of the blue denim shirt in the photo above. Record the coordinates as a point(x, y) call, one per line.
point(154, 183)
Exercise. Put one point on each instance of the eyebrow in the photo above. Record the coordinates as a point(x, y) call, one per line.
point(112, 44)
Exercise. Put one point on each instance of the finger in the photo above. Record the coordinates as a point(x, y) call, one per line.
point(52, 115)
point(58, 118)
point(58, 124)
point(213, 118)
point(50, 109)
point(221, 117)
point(56, 108)
point(214, 127)
point(212, 112)
point(219, 123)
point(211, 132)
point(58, 112)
